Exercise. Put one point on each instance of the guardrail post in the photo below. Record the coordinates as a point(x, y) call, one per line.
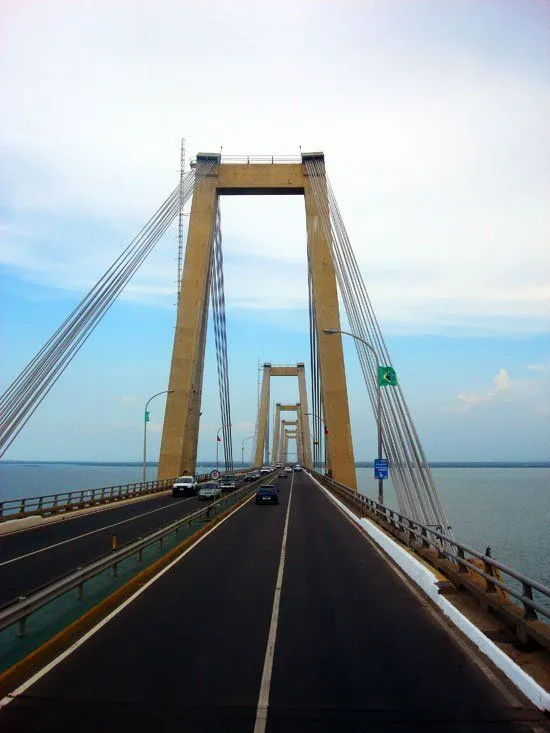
point(489, 569)
point(139, 555)
point(528, 611)
point(22, 627)
point(1, 508)
point(114, 570)
point(79, 590)
point(22, 506)
point(461, 567)
point(40, 504)
point(424, 533)
point(114, 542)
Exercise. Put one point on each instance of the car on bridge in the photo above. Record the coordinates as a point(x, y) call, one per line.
point(264, 470)
point(267, 495)
point(228, 483)
point(253, 476)
point(282, 474)
point(297, 467)
point(209, 491)
point(185, 485)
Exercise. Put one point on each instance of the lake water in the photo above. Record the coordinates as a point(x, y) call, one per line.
point(507, 509)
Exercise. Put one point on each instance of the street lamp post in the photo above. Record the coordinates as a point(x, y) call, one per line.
point(145, 421)
point(242, 447)
point(218, 441)
point(371, 348)
point(326, 434)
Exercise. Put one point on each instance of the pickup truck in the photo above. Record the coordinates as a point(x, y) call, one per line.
point(185, 485)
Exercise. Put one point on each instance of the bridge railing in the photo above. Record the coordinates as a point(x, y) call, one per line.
point(273, 159)
point(465, 566)
point(68, 501)
point(71, 500)
point(19, 610)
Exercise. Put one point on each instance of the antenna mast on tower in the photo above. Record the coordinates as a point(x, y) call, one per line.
point(180, 218)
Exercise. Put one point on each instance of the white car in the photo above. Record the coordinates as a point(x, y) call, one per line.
point(288, 469)
point(297, 467)
point(184, 485)
point(228, 483)
point(210, 490)
point(264, 470)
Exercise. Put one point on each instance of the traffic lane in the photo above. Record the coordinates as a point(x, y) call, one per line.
point(188, 652)
point(356, 650)
point(28, 572)
point(73, 524)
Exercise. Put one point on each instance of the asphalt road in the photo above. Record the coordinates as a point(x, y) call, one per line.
point(355, 650)
point(34, 557)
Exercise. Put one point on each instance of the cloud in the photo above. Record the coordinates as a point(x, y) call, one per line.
point(467, 400)
point(542, 368)
point(533, 395)
point(129, 399)
point(437, 150)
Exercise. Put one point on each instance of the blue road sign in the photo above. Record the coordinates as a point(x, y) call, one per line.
point(380, 468)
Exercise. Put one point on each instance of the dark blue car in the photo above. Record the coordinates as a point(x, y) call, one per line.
point(267, 495)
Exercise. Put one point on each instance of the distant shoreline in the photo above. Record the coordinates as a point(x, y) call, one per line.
point(358, 464)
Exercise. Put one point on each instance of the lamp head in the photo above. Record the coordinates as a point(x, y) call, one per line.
point(330, 330)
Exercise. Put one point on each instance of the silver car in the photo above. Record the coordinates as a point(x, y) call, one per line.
point(209, 491)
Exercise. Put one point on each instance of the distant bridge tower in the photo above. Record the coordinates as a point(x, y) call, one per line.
point(261, 446)
point(181, 423)
point(304, 445)
point(284, 430)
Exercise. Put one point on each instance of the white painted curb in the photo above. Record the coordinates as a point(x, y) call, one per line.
point(426, 580)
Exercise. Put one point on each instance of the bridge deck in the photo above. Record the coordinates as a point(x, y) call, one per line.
point(31, 558)
point(355, 649)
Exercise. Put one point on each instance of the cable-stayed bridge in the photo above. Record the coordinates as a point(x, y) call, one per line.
point(327, 611)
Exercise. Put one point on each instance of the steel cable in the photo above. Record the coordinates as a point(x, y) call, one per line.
point(411, 474)
point(31, 386)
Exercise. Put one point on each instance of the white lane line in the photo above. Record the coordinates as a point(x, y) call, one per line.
point(263, 700)
point(25, 686)
point(425, 602)
point(93, 531)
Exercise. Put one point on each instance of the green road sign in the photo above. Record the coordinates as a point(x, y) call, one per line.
point(387, 376)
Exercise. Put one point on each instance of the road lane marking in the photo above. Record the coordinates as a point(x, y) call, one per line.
point(429, 608)
point(263, 700)
point(93, 531)
point(61, 657)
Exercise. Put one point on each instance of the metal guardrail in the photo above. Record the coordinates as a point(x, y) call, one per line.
point(71, 500)
point(67, 501)
point(19, 610)
point(449, 555)
point(273, 159)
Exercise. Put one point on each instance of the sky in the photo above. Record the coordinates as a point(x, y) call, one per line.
point(433, 118)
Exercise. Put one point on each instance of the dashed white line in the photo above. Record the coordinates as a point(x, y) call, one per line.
point(263, 700)
point(87, 534)
point(28, 683)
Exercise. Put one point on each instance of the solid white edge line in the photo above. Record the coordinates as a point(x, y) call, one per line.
point(87, 534)
point(421, 576)
point(38, 675)
point(263, 699)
